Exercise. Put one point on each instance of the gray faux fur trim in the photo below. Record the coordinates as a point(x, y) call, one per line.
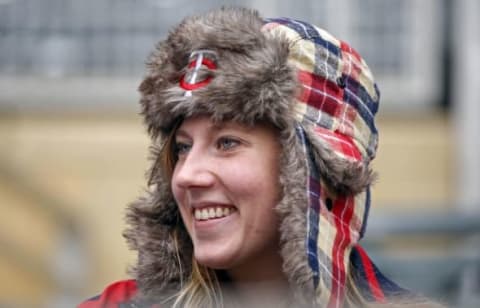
point(253, 80)
point(154, 220)
point(342, 176)
point(292, 210)
point(253, 83)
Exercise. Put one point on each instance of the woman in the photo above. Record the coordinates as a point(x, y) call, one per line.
point(263, 132)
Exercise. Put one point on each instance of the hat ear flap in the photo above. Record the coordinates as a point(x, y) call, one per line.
point(345, 177)
point(156, 231)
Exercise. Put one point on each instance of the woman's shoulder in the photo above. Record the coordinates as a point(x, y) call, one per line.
point(120, 293)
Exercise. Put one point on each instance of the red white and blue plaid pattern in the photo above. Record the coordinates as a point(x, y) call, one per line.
point(338, 91)
point(338, 101)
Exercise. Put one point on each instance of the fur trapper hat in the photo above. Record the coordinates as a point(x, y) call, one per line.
point(233, 65)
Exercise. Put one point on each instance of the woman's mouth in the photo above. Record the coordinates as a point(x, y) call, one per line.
point(212, 212)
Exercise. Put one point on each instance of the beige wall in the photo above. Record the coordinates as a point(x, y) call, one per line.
point(414, 163)
point(88, 168)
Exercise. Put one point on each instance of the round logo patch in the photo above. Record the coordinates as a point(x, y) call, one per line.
point(199, 59)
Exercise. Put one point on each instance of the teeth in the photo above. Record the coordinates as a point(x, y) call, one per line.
point(204, 214)
point(212, 212)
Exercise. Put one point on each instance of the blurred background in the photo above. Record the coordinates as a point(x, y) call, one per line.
point(73, 149)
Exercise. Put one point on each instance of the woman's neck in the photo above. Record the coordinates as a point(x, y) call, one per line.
point(260, 284)
point(262, 294)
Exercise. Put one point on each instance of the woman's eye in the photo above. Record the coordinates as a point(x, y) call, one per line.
point(182, 148)
point(227, 143)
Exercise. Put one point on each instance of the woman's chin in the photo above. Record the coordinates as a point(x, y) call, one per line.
point(215, 261)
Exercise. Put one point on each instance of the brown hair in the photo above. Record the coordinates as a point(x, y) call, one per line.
point(167, 157)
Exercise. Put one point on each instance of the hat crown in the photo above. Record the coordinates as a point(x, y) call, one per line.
point(337, 94)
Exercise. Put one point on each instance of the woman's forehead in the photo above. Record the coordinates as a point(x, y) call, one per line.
point(198, 125)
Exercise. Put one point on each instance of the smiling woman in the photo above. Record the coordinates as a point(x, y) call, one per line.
point(263, 132)
point(232, 170)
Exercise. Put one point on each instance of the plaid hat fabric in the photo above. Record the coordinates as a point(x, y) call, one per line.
point(334, 227)
point(337, 101)
point(338, 94)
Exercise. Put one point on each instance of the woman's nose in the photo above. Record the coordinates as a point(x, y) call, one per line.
point(194, 170)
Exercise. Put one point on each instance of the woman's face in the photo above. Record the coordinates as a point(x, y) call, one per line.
point(226, 185)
